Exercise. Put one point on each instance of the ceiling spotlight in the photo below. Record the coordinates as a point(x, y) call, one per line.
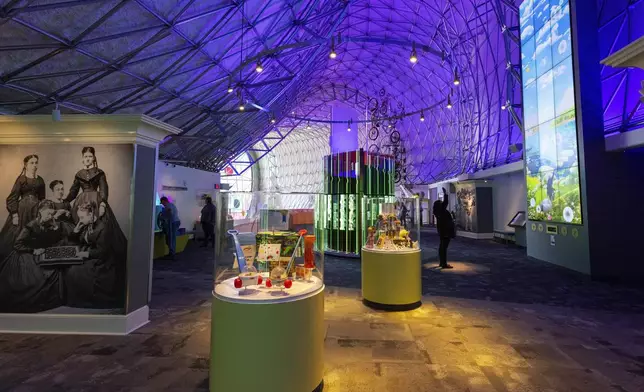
point(230, 88)
point(349, 126)
point(241, 101)
point(413, 58)
point(449, 101)
point(258, 67)
point(333, 54)
point(308, 126)
point(457, 80)
point(272, 120)
point(503, 107)
point(293, 113)
point(422, 116)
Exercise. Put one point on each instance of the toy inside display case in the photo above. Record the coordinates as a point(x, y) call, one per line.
point(392, 224)
point(274, 258)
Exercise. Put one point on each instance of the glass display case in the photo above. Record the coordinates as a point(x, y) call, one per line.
point(268, 279)
point(273, 254)
point(391, 224)
point(390, 257)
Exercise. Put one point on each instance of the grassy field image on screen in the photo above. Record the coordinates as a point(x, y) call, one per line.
point(552, 169)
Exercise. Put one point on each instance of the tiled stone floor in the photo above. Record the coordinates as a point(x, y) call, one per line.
point(470, 335)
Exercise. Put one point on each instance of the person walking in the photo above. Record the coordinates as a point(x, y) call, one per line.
point(446, 228)
point(208, 222)
point(171, 224)
point(404, 212)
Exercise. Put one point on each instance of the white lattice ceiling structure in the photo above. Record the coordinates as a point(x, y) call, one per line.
point(176, 59)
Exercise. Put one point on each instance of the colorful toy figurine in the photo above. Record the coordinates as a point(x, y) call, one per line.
point(371, 237)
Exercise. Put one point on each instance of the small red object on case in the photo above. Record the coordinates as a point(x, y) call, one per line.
point(259, 279)
point(268, 283)
point(288, 283)
point(238, 283)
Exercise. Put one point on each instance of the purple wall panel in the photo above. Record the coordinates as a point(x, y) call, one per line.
point(341, 139)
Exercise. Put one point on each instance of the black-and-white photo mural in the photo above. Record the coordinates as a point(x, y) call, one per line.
point(466, 208)
point(63, 242)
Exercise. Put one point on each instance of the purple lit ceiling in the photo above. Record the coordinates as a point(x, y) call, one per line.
point(620, 23)
point(174, 60)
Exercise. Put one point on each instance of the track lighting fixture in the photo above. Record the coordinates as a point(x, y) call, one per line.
point(242, 107)
point(258, 67)
point(333, 54)
point(55, 114)
point(449, 101)
point(413, 58)
point(422, 116)
point(273, 120)
point(308, 126)
point(503, 107)
point(457, 80)
point(349, 126)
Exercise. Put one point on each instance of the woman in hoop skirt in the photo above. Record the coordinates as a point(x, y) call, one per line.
point(25, 286)
point(93, 183)
point(94, 283)
point(22, 203)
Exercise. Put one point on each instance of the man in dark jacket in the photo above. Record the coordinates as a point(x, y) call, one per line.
point(208, 222)
point(445, 226)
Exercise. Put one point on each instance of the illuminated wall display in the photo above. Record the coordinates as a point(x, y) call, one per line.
point(551, 153)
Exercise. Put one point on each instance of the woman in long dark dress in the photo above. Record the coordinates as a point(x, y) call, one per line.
point(25, 287)
point(22, 203)
point(93, 183)
point(95, 283)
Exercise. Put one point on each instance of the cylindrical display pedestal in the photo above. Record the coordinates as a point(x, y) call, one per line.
point(269, 346)
point(391, 279)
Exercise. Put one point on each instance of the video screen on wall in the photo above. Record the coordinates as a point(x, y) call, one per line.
point(552, 168)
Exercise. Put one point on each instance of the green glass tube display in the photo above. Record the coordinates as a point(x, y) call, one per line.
point(349, 176)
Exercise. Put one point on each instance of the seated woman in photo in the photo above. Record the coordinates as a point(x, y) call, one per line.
point(25, 287)
point(63, 208)
point(98, 282)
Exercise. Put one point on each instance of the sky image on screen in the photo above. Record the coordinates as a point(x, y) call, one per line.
point(552, 169)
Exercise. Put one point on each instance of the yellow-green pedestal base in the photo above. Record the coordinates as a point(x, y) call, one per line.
point(267, 347)
point(161, 249)
point(391, 279)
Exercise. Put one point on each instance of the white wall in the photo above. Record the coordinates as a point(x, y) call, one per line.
point(186, 201)
point(509, 198)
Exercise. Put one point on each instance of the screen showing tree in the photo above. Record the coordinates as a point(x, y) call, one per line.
point(549, 118)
